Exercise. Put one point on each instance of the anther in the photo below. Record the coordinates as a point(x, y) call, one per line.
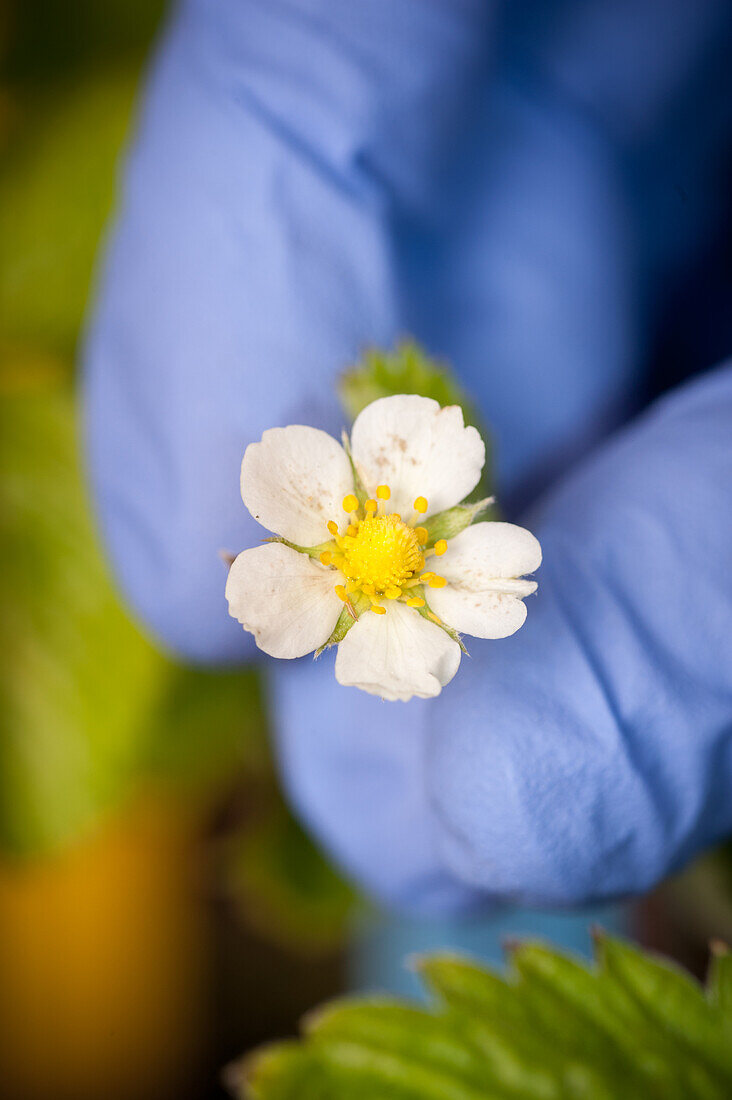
point(383, 492)
point(440, 547)
point(352, 530)
point(393, 593)
point(422, 535)
point(341, 592)
point(326, 557)
point(350, 503)
point(332, 527)
point(378, 609)
point(415, 601)
point(420, 505)
point(370, 506)
point(436, 582)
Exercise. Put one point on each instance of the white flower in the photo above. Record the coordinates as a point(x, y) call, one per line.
point(362, 580)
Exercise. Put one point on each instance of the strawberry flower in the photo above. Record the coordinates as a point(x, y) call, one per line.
point(373, 551)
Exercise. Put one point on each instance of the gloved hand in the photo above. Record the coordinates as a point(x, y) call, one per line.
point(311, 178)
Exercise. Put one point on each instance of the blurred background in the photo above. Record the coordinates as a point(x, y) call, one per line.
point(160, 910)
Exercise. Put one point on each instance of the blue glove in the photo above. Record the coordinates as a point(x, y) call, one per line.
point(310, 178)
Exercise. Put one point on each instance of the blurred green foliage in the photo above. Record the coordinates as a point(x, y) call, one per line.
point(89, 707)
point(90, 710)
point(46, 42)
point(71, 67)
point(285, 886)
point(405, 369)
point(88, 704)
point(56, 191)
point(636, 1026)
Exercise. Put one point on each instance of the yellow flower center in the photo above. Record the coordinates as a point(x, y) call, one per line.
point(383, 554)
point(380, 555)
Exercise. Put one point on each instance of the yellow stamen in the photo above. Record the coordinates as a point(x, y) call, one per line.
point(380, 556)
point(384, 554)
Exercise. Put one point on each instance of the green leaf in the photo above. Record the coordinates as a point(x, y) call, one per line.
point(634, 1027)
point(283, 1071)
point(408, 369)
point(674, 1009)
point(420, 1052)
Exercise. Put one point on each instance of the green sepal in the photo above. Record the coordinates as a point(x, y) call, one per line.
point(406, 369)
point(426, 611)
point(358, 486)
point(448, 524)
point(346, 619)
point(311, 551)
point(453, 634)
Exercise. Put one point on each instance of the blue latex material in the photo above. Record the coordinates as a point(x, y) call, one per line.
point(525, 187)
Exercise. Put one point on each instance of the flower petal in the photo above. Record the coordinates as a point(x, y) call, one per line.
point(482, 614)
point(397, 655)
point(284, 598)
point(483, 566)
point(417, 448)
point(487, 551)
point(294, 481)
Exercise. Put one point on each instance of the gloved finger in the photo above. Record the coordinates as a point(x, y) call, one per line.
point(353, 768)
point(252, 258)
point(590, 754)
